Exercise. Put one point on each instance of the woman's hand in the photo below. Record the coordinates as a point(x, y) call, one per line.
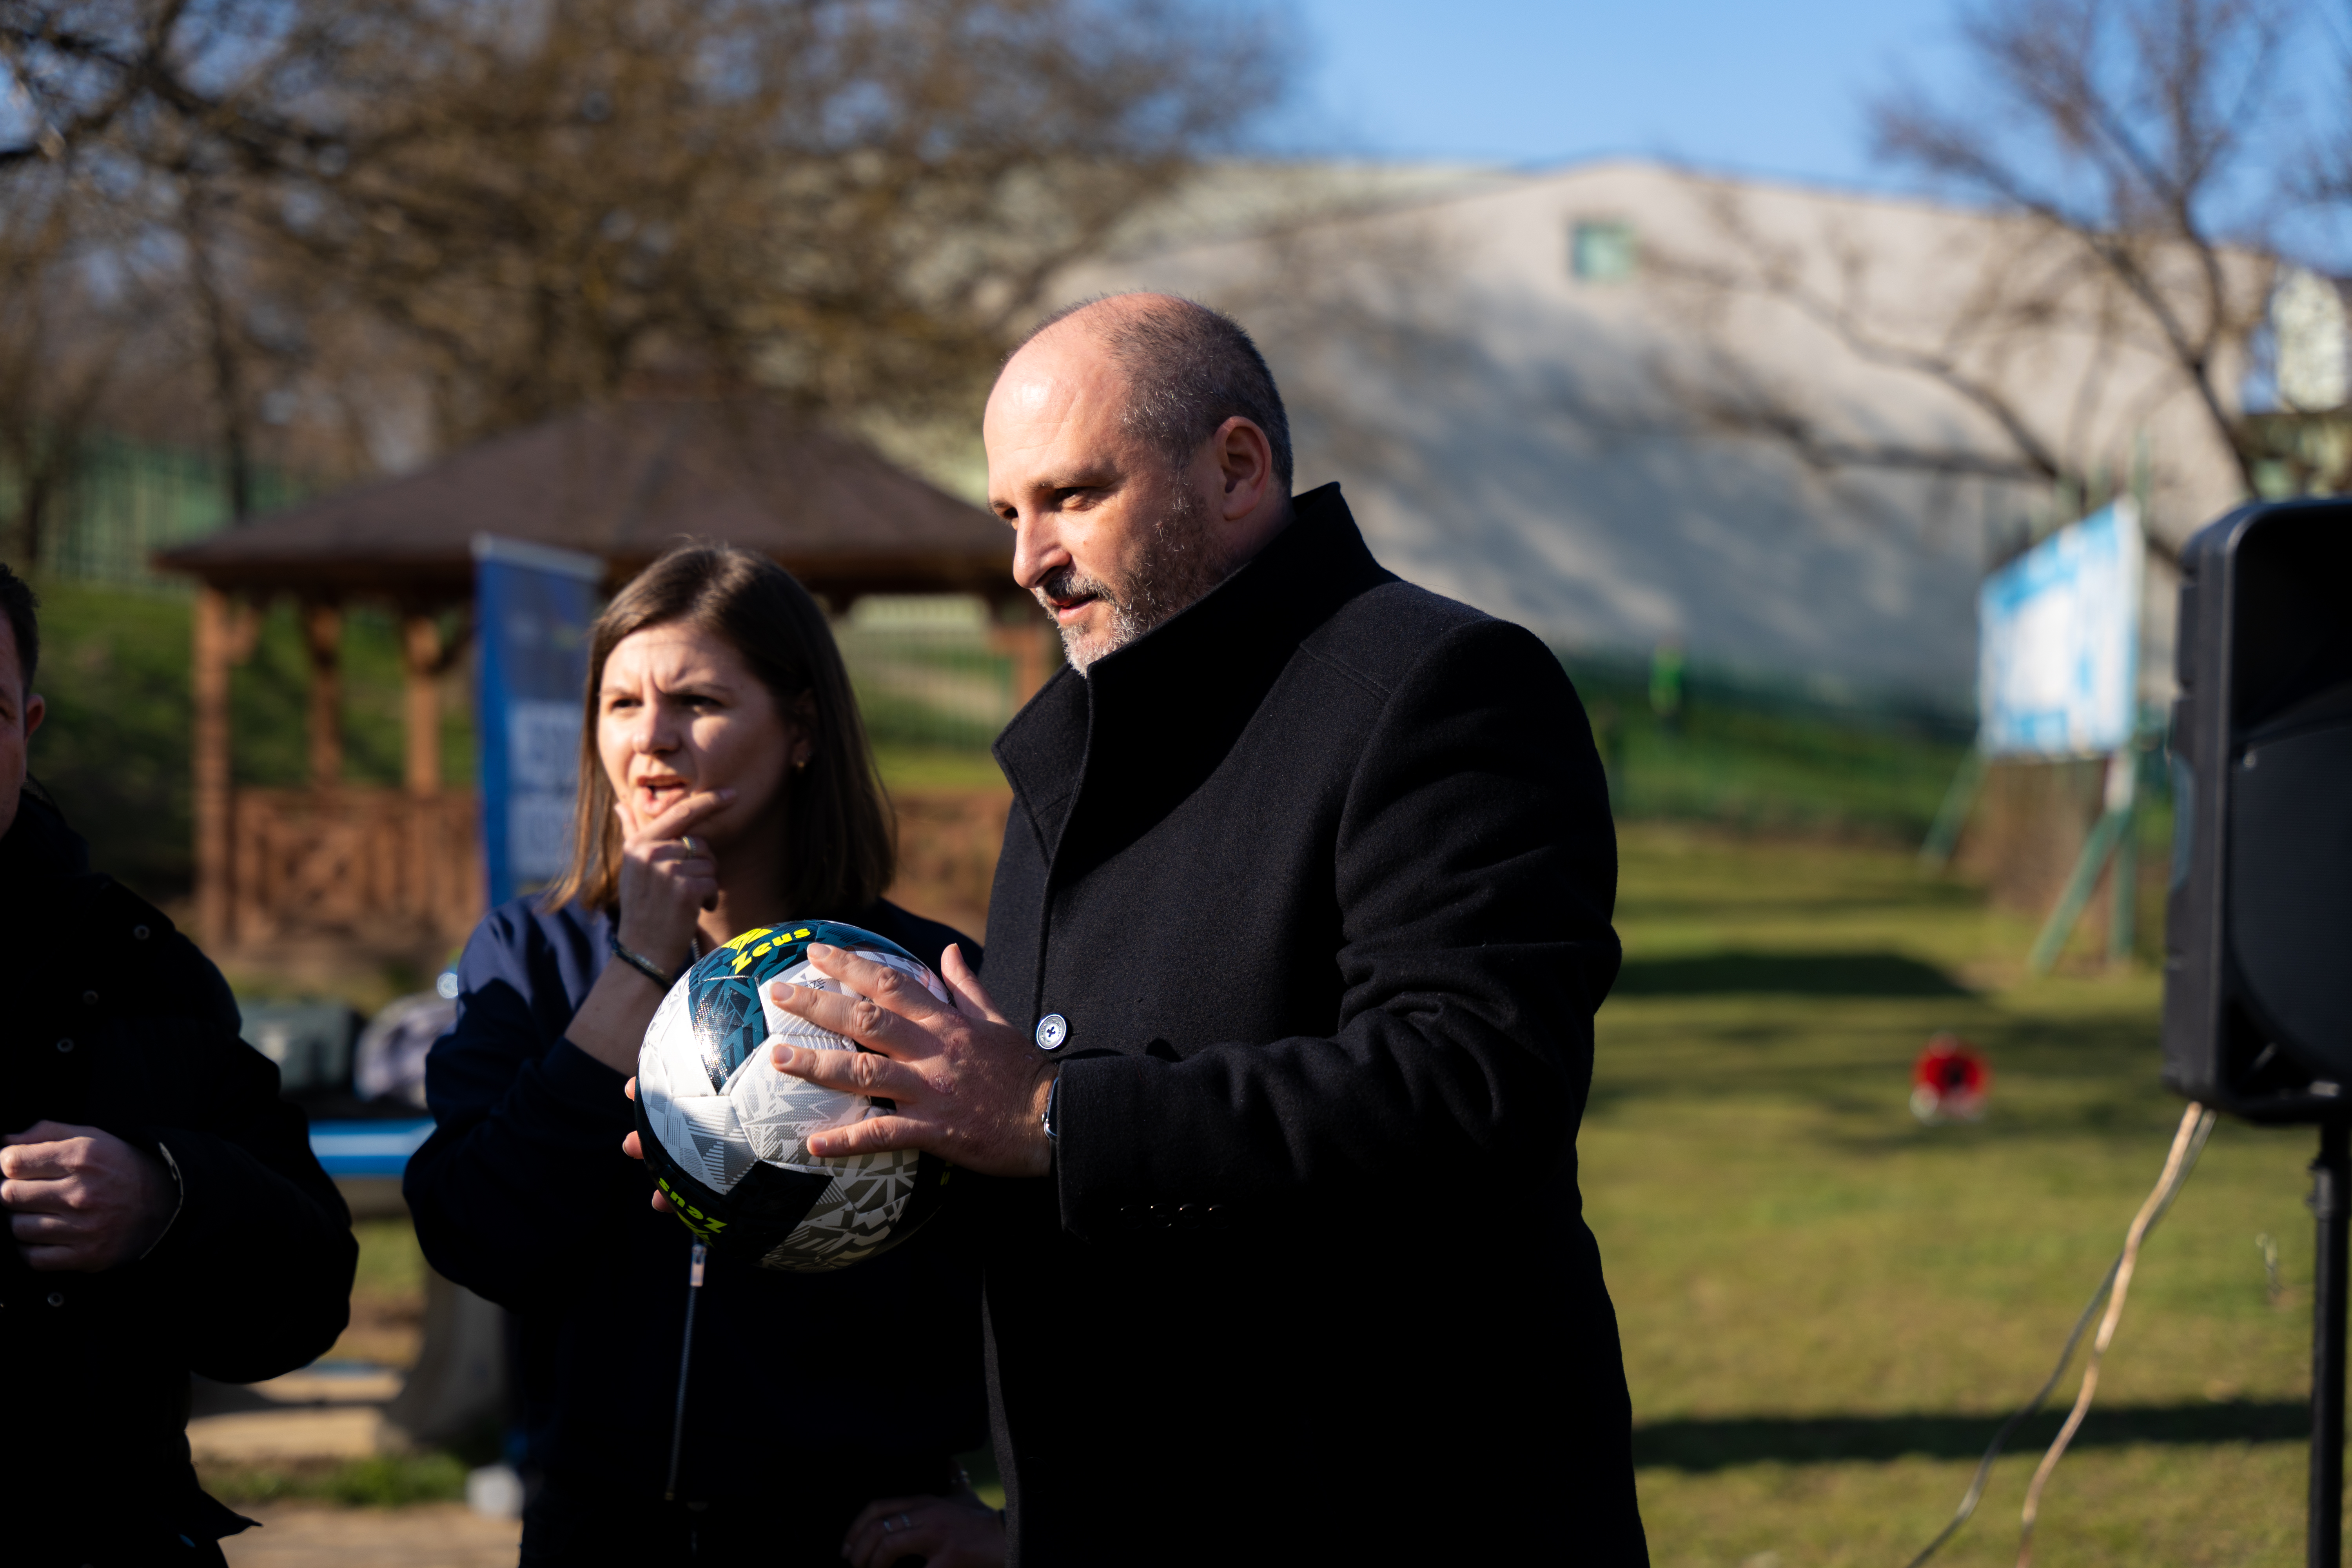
point(959, 1531)
point(667, 878)
point(663, 887)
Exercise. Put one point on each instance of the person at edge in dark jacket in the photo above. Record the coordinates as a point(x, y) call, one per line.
point(166, 1213)
point(725, 784)
point(1301, 919)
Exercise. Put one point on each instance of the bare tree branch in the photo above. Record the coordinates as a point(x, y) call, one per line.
point(2124, 155)
point(516, 206)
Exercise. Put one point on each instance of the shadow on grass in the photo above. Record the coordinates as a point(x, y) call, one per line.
point(1786, 973)
point(1701, 1446)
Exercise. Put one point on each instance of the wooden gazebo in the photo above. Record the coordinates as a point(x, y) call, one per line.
point(621, 482)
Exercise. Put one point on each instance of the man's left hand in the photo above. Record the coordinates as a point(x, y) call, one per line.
point(968, 1087)
point(81, 1199)
point(959, 1531)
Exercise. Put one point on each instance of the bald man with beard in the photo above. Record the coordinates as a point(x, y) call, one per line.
point(1301, 919)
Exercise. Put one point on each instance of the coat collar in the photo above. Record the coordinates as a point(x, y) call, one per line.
point(40, 844)
point(1147, 723)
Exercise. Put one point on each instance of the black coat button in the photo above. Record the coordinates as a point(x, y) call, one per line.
point(90, 998)
point(56, 1298)
point(139, 933)
point(65, 1045)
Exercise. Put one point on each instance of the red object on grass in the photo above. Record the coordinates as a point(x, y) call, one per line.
point(1950, 1080)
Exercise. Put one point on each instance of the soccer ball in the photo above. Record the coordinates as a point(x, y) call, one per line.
point(727, 1134)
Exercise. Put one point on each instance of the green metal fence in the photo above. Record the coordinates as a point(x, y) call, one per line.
point(126, 500)
point(927, 671)
point(1702, 742)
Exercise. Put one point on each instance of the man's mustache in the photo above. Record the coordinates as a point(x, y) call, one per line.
point(1065, 584)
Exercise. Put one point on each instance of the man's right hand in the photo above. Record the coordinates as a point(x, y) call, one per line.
point(80, 1198)
point(667, 878)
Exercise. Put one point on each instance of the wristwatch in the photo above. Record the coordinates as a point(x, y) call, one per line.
point(1052, 1119)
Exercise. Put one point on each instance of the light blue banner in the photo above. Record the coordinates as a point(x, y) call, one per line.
point(532, 608)
point(2058, 655)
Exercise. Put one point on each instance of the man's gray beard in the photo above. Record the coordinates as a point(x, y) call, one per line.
point(1176, 569)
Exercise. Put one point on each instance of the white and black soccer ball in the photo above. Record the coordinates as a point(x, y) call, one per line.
point(727, 1134)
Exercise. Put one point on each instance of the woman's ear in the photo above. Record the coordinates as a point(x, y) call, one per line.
point(801, 713)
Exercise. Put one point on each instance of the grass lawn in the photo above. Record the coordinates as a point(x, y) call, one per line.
point(1827, 1308)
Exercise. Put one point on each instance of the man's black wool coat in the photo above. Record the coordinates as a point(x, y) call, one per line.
point(1319, 876)
point(115, 1020)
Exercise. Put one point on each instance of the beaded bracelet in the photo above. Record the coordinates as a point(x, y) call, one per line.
point(638, 960)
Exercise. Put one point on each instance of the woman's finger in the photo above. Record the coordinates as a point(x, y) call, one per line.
point(679, 819)
point(675, 858)
point(964, 986)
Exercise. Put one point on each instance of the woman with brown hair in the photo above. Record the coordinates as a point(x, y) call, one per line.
point(725, 783)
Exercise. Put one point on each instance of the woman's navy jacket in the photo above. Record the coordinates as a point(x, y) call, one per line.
point(523, 1196)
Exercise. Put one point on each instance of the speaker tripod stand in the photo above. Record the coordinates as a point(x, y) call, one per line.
point(2331, 1207)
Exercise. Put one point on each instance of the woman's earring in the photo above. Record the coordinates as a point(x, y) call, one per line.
point(799, 763)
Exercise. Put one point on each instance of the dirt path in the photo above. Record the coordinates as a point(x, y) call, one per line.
point(428, 1535)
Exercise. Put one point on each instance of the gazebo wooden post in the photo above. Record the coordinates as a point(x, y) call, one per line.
point(214, 652)
point(420, 669)
point(420, 643)
point(322, 636)
point(1024, 641)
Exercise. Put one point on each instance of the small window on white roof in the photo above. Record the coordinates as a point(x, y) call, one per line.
point(1602, 250)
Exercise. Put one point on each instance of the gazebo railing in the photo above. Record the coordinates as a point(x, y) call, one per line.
point(351, 862)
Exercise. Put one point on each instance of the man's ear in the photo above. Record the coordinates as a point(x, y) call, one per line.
point(1246, 458)
point(35, 712)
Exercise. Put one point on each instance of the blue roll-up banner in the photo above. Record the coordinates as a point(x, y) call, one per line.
point(532, 607)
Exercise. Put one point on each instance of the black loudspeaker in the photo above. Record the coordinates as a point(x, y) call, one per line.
point(2258, 930)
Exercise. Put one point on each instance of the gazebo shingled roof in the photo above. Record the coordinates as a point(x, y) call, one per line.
point(625, 481)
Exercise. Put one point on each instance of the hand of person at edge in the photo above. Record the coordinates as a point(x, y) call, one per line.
point(968, 1087)
point(637, 1150)
point(81, 1199)
point(663, 886)
point(959, 1531)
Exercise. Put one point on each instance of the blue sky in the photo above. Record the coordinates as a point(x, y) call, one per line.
point(1760, 87)
point(1771, 87)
